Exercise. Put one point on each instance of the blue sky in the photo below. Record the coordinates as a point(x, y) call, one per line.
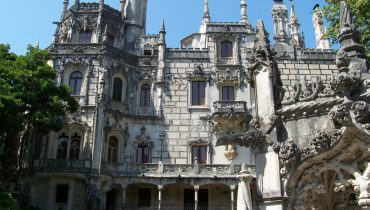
point(23, 22)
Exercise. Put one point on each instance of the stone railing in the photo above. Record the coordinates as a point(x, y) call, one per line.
point(79, 166)
point(226, 106)
point(133, 169)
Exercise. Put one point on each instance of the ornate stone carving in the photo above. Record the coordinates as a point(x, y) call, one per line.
point(253, 139)
point(230, 152)
point(320, 143)
point(289, 155)
point(198, 73)
point(361, 112)
point(340, 115)
point(305, 91)
point(142, 138)
point(85, 22)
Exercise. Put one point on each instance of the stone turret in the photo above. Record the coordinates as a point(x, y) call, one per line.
point(318, 24)
point(297, 39)
point(122, 9)
point(65, 8)
point(280, 19)
point(243, 13)
point(206, 15)
point(135, 22)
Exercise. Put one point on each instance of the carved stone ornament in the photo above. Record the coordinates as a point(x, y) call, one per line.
point(320, 143)
point(228, 77)
point(289, 154)
point(340, 115)
point(305, 90)
point(230, 152)
point(252, 138)
point(198, 73)
point(85, 22)
point(361, 113)
point(142, 138)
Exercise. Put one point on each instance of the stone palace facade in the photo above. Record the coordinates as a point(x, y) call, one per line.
point(227, 121)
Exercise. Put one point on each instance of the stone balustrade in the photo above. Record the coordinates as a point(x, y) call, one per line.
point(225, 106)
point(149, 169)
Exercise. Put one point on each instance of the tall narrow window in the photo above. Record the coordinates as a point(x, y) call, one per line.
point(74, 152)
point(228, 93)
point(62, 147)
point(145, 96)
point(117, 89)
point(198, 92)
point(61, 195)
point(226, 49)
point(199, 153)
point(75, 82)
point(85, 36)
point(112, 149)
point(142, 154)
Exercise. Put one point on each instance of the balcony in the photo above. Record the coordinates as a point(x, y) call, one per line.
point(77, 166)
point(226, 106)
point(230, 117)
point(150, 169)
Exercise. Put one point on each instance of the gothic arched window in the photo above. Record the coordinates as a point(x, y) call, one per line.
point(62, 147)
point(74, 152)
point(112, 149)
point(75, 82)
point(145, 96)
point(226, 49)
point(117, 89)
point(85, 36)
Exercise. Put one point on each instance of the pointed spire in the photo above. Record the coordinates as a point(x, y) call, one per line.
point(281, 21)
point(123, 5)
point(294, 26)
point(206, 16)
point(162, 34)
point(105, 34)
point(37, 46)
point(243, 12)
point(65, 7)
point(101, 5)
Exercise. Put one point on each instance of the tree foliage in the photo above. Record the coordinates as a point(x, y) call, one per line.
point(360, 10)
point(29, 97)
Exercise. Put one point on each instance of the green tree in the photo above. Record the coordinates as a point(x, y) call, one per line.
point(30, 104)
point(360, 10)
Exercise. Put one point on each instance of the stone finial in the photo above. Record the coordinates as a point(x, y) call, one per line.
point(206, 16)
point(243, 12)
point(105, 34)
point(318, 24)
point(101, 5)
point(346, 18)
point(162, 34)
point(123, 5)
point(281, 21)
point(297, 39)
point(65, 7)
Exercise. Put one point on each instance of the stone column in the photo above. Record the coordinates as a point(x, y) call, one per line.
point(123, 198)
point(160, 190)
point(196, 189)
point(232, 192)
point(244, 201)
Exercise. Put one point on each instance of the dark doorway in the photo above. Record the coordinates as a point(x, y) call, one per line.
point(189, 199)
point(110, 200)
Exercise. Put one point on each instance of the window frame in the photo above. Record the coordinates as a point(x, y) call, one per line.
point(199, 149)
point(112, 151)
point(228, 52)
point(227, 96)
point(145, 95)
point(73, 80)
point(143, 147)
point(117, 89)
point(198, 96)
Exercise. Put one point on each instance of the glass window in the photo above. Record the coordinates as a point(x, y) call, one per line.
point(145, 96)
point(62, 147)
point(199, 153)
point(228, 93)
point(226, 49)
point(117, 89)
point(74, 152)
point(142, 154)
point(144, 197)
point(198, 92)
point(85, 36)
point(75, 82)
point(112, 149)
point(61, 195)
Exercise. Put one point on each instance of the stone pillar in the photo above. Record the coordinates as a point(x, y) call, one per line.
point(196, 190)
point(244, 191)
point(160, 190)
point(232, 192)
point(123, 198)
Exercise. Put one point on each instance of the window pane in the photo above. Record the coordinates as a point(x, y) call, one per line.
point(85, 36)
point(61, 195)
point(226, 49)
point(112, 149)
point(62, 147)
point(145, 96)
point(75, 82)
point(117, 89)
point(228, 93)
point(198, 92)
